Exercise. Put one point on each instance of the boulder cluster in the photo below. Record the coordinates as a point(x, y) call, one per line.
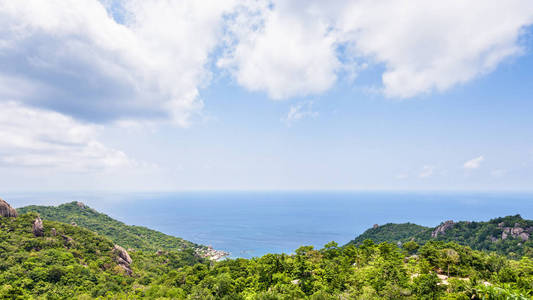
point(516, 232)
point(123, 259)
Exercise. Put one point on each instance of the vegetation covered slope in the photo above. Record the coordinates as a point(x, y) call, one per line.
point(134, 237)
point(84, 266)
point(370, 271)
point(71, 262)
point(511, 235)
point(390, 232)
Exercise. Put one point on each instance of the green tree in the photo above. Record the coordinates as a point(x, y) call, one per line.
point(426, 286)
point(411, 247)
point(450, 257)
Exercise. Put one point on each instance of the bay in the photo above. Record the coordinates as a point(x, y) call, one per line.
point(253, 223)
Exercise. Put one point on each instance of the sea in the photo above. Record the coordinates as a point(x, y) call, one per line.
point(252, 223)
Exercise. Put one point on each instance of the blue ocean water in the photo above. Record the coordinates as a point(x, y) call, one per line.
point(249, 224)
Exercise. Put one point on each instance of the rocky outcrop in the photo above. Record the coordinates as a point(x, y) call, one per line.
point(38, 228)
point(524, 236)
point(80, 204)
point(123, 259)
point(441, 229)
point(53, 232)
point(516, 232)
point(375, 226)
point(6, 210)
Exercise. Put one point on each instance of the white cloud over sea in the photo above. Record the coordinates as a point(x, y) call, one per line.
point(37, 138)
point(72, 68)
point(110, 60)
point(73, 57)
point(298, 47)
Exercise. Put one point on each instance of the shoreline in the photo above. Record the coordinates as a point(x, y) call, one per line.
point(213, 254)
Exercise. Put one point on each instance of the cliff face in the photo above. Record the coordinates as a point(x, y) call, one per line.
point(6, 210)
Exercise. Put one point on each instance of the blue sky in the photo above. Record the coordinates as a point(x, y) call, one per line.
point(180, 95)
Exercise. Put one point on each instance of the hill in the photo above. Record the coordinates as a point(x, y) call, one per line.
point(54, 260)
point(67, 260)
point(390, 232)
point(134, 237)
point(507, 235)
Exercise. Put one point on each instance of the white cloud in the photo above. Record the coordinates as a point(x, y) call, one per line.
point(73, 57)
point(300, 111)
point(32, 137)
point(284, 53)
point(427, 171)
point(297, 48)
point(474, 163)
point(427, 45)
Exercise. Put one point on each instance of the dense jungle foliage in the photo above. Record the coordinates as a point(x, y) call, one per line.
point(80, 264)
point(476, 235)
point(69, 262)
point(135, 237)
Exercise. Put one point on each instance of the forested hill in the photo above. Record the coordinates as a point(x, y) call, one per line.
point(511, 235)
point(42, 259)
point(390, 232)
point(135, 237)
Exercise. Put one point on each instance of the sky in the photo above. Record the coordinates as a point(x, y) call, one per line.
point(266, 95)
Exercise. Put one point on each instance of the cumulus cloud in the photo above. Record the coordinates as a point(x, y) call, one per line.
point(300, 111)
point(284, 52)
point(474, 163)
point(429, 46)
point(298, 47)
point(74, 57)
point(32, 137)
point(143, 60)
